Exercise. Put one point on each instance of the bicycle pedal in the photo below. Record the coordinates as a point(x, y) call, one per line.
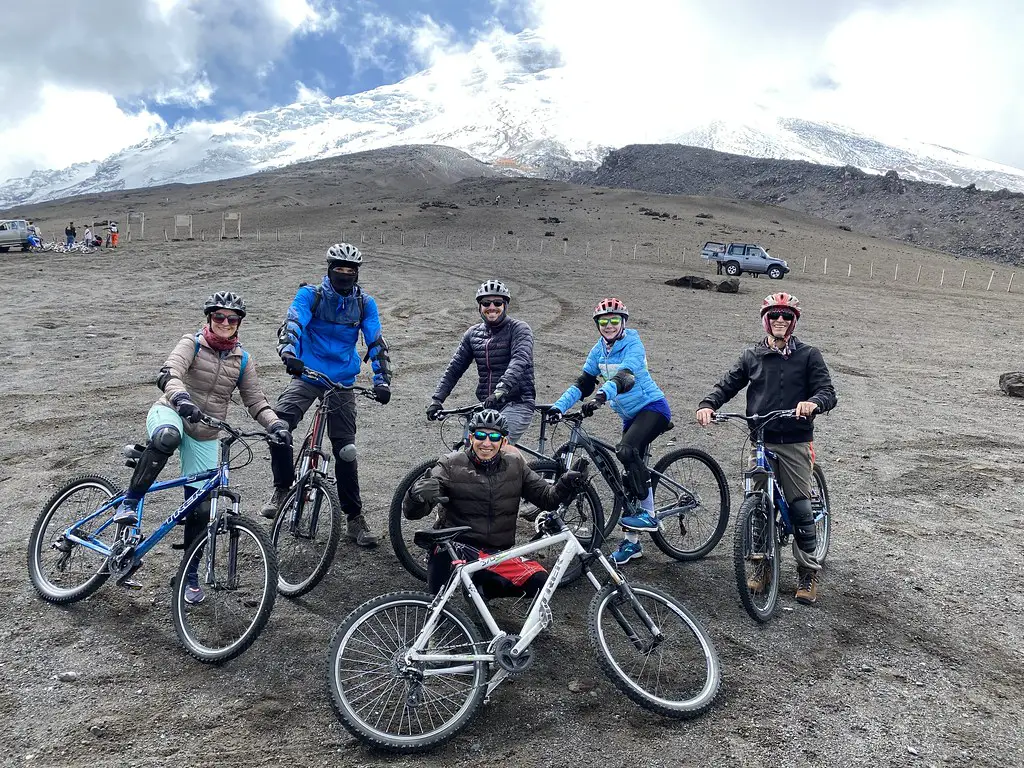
point(178, 546)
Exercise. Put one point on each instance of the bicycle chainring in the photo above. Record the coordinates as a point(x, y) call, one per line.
point(503, 656)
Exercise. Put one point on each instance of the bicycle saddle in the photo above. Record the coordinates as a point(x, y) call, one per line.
point(431, 537)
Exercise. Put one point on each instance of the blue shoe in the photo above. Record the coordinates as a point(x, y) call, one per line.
point(125, 515)
point(193, 592)
point(628, 550)
point(645, 521)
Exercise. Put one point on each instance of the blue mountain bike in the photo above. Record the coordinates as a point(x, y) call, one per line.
point(763, 526)
point(75, 547)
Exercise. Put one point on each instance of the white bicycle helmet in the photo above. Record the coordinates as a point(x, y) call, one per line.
point(493, 288)
point(224, 300)
point(344, 254)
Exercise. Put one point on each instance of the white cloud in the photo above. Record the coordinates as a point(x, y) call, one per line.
point(72, 126)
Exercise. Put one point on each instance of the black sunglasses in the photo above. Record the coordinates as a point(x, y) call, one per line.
point(492, 303)
point(220, 317)
point(787, 316)
point(495, 437)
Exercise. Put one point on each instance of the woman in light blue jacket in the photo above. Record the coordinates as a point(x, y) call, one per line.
point(620, 360)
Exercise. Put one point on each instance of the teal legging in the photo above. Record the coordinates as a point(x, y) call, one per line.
point(195, 455)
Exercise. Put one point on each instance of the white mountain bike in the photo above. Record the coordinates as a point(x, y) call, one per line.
point(408, 670)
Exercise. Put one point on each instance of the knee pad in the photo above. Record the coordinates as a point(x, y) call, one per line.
point(346, 453)
point(166, 438)
point(802, 516)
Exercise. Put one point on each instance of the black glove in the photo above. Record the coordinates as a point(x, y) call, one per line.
point(569, 484)
point(429, 491)
point(292, 364)
point(279, 433)
point(182, 403)
point(591, 406)
point(554, 416)
point(432, 410)
point(495, 400)
point(382, 393)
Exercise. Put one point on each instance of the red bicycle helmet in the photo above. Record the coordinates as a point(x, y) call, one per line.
point(781, 300)
point(610, 307)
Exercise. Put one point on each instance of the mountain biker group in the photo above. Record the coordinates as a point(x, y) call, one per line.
point(481, 484)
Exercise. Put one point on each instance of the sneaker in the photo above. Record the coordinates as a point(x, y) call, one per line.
point(645, 521)
point(628, 550)
point(359, 532)
point(194, 594)
point(270, 509)
point(807, 587)
point(125, 515)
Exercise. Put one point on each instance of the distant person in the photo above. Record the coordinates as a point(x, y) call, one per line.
point(502, 348)
point(781, 372)
point(321, 332)
point(113, 234)
point(70, 233)
point(87, 236)
point(620, 359)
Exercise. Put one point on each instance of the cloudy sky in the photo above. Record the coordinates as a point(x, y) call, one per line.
point(100, 75)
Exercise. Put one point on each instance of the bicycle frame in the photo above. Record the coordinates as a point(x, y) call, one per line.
point(538, 618)
point(776, 498)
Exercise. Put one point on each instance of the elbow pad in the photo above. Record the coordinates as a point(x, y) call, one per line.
point(378, 351)
point(586, 383)
point(624, 380)
point(163, 377)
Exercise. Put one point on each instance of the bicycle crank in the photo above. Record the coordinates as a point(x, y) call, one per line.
point(513, 665)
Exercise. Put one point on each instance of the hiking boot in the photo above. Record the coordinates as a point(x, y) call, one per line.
point(628, 550)
point(125, 515)
point(807, 586)
point(270, 509)
point(359, 532)
point(645, 521)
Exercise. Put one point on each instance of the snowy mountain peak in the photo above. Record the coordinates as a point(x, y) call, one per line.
point(508, 109)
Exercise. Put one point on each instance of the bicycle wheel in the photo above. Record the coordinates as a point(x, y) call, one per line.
point(306, 533)
point(611, 500)
point(397, 707)
point(401, 531)
point(583, 515)
point(240, 591)
point(822, 513)
point(678, 676)
point(72, 572)
point(687, 476)
point(756, 557)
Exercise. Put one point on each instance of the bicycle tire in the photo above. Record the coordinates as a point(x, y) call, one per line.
point(610, 497)
point(401, 616)
point(708, 521)
point(101, 489)
point(686, 651)
point(822, 506)
point(401, 531)
point(756, 557)
point(583, 508)
point(294, 576)
point(189, 619)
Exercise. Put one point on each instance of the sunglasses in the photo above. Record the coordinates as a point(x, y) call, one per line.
point(220, 317)
point(612, 321)
point(491, 303)
point(787, 316)
point(494, 437)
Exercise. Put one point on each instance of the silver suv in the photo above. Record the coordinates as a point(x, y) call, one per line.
point(13, 234)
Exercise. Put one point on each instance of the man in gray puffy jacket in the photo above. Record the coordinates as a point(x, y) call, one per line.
point(502, 348)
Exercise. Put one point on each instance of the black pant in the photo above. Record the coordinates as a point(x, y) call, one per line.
point(631, 449)
point(291, 406)
point(490, 584)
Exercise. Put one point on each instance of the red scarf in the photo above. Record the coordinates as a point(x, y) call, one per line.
point(217, 343)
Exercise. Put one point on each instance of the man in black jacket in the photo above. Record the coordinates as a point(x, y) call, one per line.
point(481, 486)
point(503, 350)
point(781, 372)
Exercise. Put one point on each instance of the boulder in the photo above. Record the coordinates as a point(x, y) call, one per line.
point(692, 281)
point(1012, 383)
point(732, 285)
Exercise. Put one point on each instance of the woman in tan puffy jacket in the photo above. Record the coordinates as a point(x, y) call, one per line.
point(199, 378)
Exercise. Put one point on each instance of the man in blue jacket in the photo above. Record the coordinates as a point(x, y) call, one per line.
point(620, 359)
point(321, 332)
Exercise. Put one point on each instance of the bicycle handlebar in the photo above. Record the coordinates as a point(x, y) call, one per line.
point(235, 433)
point(327, 381)
point(756, 420)
point(465, 410)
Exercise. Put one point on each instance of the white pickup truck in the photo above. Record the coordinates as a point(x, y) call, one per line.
point(13, 234)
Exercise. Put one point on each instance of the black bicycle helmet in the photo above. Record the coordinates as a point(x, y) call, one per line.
point(489, 419)
point(224, 300)
point(493, 288)
point(344, 255)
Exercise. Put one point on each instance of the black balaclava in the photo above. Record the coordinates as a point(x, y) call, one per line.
point(341, 283)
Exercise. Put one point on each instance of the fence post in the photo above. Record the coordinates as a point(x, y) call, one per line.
point(588, 249)
point(1011, 282)
point(805, 262)
point(964, 281)
point(541, 247)
point(896, 274)
point(165, 234)
point(257, 234)
point(990, 278)
point(517, 245)
point(471, 241)
point(202, 235)
point(494, 241)
point(824, 271)
point(919, 273)
point(609, 247)
point(424, 239)
point(300, 234)
point(849, 270)
point(942, 278)
point(634, 251)
point(871, 271)
point(684, 256)
point(403, 237)
point(565, 247)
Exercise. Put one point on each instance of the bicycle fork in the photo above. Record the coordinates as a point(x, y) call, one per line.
point(211, 554)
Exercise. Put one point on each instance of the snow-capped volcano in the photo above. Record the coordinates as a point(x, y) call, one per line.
point(514, 108)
